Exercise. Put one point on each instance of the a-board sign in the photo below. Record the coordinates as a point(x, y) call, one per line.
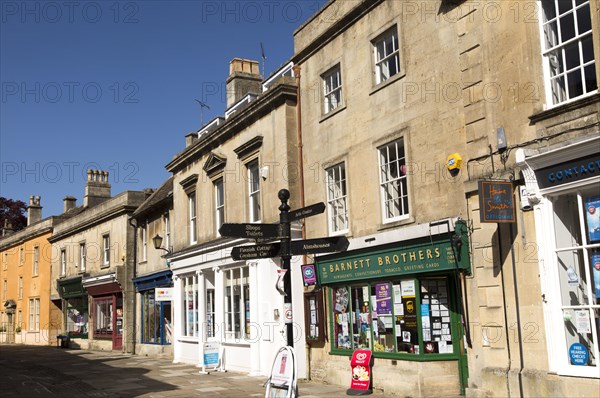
point(251, 252)
point(307, 211)
point(212, 357)
point(496, 202)
point(361, 372)
point(319, 245)
point(251, 231)
point(283, 374)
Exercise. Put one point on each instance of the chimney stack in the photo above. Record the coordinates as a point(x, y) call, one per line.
point(244, 78)
point(97, 188)
point(34, 210)
point(70, 202)
point(7, 228)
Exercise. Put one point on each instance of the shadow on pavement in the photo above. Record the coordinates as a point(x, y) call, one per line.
point(42, 371)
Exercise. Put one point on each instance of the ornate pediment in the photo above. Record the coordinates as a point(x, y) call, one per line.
point(214, 164)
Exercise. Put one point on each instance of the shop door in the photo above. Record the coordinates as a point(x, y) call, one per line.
point(117, 342)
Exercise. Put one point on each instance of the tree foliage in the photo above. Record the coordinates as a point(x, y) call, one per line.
point(14, 211)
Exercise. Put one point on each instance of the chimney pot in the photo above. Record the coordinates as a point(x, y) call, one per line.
point(34, 210)
point(97, 188)
point(244, 78)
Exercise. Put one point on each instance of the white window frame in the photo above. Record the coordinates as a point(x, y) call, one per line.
point(192, 233)
point(36, 260)
point(388, 55)
point(167, 225)
point(332, 89)
point(189, 298)
point(34, 314)
point(63, 262)
point(254, 213)
point(556, 340)
point(337, 198)
point(390, 183)
point(219, 187)
point(106, 250)
point(236, 278)
point(559, 47)
point(82, 257)
point(145, 242)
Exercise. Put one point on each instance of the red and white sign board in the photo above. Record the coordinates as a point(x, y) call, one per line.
point(361, 370)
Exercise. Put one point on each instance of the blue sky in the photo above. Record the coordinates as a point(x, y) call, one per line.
point(111, 85)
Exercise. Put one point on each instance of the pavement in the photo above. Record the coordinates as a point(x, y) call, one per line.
point(43, 371)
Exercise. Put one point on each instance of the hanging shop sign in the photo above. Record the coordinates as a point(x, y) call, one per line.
point(309, 276)
point(163, 293)
point(496, 202)
point(424, 255)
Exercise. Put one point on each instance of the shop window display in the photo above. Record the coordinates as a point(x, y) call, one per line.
point(408, 316)
point(577, 265)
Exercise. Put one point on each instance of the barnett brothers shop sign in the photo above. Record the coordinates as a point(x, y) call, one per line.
point(402, 258)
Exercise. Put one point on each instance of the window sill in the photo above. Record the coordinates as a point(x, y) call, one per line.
point(557, 110)
point(386, 83)
point(332, 113)
point(188, 339)
point(397, 223)
point(105, 266)
point(236, 344)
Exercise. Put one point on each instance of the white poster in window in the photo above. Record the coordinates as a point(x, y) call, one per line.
point(345, 329)
point(442, 347)
point(582, 321)
point(426, 334)
point(408, 288)
point(397, 294)
point(425, 322)
point(398, 330)
point(398, 309)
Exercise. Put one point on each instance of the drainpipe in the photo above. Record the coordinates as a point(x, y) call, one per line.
point(297, 71)
point(133, 223)
point(517, 309)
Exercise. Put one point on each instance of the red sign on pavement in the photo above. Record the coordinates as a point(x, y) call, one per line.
point(361, 370)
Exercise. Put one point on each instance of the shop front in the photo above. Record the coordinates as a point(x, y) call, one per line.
point(106, 299)
point(563, 185)
point(403, 302)
point(75, 309)
point(235, 305)
point(155, 302)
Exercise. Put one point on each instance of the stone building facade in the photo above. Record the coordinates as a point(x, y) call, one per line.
point(231, 171)
point(92, 266)
point(394, 94)
point(152, 277)
point(27, 316)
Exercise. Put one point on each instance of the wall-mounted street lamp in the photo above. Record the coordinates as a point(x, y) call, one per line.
point(157, 241)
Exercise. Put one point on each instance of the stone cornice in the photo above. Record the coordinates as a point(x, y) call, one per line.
point(335, 30)
point(124, 204)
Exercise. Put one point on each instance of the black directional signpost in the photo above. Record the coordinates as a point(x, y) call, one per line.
point(285, 248)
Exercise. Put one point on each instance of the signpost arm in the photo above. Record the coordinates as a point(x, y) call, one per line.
point(286, 256)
